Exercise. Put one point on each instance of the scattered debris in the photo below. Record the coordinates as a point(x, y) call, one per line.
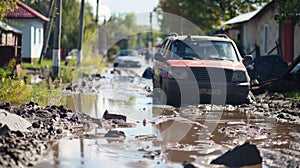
point(14, 122)
point(108, 115)
point(115, 134)
point(244, 155)
point(149, 137)
point(26, 130)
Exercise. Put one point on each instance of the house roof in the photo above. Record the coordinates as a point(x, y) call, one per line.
point(24, 11)
point(7, 28)
point(242, 18)
point(247, 16)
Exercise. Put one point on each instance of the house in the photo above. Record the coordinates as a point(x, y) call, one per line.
point(31, 23)
point(260, 33)
point(10, 45)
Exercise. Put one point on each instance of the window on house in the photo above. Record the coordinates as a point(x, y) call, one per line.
point(266, 27)
point(246, 39)
point(34, 35)
point(40, 36)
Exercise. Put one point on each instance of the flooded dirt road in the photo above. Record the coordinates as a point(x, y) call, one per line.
point(162, 136)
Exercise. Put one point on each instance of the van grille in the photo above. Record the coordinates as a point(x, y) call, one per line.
point(212, 75)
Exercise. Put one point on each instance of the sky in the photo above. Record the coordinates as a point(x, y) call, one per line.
point(124, 6)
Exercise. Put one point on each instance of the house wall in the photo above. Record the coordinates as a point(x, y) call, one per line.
point(263, 31)
point(37, 33)
point(31, 43)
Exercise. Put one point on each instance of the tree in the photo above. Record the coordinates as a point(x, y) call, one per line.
point(289, 11)
point(123, 31)
point(70, 20)
point(6, 6)
point(207, 14)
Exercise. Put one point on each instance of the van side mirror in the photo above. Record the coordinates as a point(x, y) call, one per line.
point(248, 58)
point(158, 56)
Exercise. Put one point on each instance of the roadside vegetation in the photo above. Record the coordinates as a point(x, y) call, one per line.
point(293, 95)
point(35, 64)
point(17, 90)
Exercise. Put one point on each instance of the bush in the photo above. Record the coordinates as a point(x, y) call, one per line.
point(14, 91)
point(293, 95)
point(42, 95)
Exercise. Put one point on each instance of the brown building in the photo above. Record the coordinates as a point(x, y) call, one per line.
point(260, 33)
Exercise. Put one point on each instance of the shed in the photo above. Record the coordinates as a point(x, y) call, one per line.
point(31, 23)
point(10, 44)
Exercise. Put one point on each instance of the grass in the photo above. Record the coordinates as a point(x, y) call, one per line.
point(44, 96)
point(14, 91)
point(35, 64)
point(293, 95)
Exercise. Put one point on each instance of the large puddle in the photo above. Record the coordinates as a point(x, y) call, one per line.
point(162, 138)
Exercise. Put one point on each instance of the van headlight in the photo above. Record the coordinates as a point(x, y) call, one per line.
point(239, 76)
point(178, 73)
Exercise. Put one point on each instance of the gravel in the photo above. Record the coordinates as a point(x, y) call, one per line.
point(24, 148)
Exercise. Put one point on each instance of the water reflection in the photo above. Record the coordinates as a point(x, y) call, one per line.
point(193, 134)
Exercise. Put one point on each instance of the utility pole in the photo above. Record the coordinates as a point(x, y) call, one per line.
point(151, 30)
point(47, 31)
point(80, 33)
point(97, 13)
point(97, 26)
point(56, 42)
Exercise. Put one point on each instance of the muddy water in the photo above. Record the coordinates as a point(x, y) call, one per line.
point(167, 137)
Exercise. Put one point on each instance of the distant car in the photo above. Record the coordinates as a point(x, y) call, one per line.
point(71, 56)
point(200, 69)
point(127, 58)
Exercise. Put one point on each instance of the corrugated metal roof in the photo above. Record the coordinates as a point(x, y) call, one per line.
point(24, 11)
point(8, 28)
point(241, 18)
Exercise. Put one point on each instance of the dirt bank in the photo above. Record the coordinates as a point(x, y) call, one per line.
point(275, 105)
point(22, 147)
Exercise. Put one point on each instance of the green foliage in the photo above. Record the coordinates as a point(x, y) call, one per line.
point(13, 90)
point(10, 66)
point(6, 6)
point(70, 23)
point(66, 72)
point(112, 52)
point(122, 28)
point(42, 95)
point(207, 13)
point(289, 10)
point(45, 63)
point(293, 95)
point(17, 92)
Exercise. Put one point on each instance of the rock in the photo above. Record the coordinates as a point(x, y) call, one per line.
point(59, 131)
point(19, 133)
point(36, 125)
point(13, 121)
point(114, 134)
point(152, 154)
point(185, 164)
point(113, 115)
point(244, 155)
point(97, 76)
point(265, 106)
point(148, 73)
point(4, 130)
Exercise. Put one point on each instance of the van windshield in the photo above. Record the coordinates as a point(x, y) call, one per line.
point(204, 50)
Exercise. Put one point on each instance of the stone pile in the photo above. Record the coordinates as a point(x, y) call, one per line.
point(22, 147)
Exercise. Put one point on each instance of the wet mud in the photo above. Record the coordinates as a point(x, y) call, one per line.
point(23, 145)
point(110, 121)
